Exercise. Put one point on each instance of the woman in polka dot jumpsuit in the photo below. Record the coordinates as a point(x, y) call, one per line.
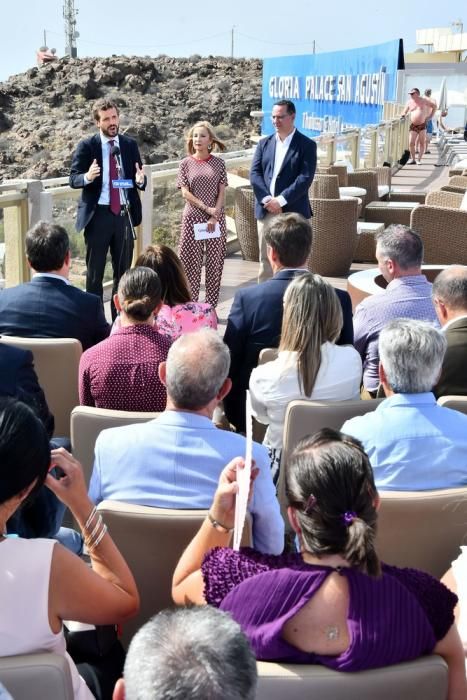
point(202, 179)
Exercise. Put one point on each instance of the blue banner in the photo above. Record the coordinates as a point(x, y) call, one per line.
point(333, 91)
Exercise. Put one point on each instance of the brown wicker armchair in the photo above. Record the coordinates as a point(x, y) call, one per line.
point(444, 234)
point(334, 226)
point(245, 223)
point(325, 187)
point(442, 198)
point(458, 183)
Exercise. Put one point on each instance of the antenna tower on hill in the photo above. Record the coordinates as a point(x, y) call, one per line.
point(69, 15)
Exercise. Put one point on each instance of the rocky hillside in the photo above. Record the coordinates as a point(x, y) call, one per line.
point(47, 110)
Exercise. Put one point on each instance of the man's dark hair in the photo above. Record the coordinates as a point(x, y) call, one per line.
point(290, 236)
point(286, 103)
point(24, 449)
point(401, 244)
point(103, 105)
point(47, 246)
point(190, 653)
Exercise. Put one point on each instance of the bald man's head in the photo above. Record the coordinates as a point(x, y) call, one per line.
point(450, 293)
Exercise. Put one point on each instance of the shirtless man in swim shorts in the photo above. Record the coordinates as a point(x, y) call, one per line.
point(430, 120)
point(420, 110)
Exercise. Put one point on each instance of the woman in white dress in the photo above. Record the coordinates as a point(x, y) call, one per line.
point(309, 364)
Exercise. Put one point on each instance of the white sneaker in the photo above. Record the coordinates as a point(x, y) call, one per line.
point(411, 162)
point(419, 162)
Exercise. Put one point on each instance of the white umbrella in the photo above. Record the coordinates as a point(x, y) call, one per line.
point(443, 96)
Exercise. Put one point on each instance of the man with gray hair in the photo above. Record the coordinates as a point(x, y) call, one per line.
point(399, 252)
point(450, 299)
point(198, 653)
point(175, 460)
point(413, 444)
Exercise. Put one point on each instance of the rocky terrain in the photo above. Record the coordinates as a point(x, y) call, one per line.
point(45, 111)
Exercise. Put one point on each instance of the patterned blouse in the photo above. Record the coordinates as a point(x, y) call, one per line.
point(173, 321)
point(121, 372)
point(185, 318)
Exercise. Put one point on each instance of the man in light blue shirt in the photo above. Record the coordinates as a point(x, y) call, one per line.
point(175, 461)
point(413, 444)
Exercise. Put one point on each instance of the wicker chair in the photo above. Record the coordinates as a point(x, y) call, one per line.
point(368, 179)
point(325, 187)
point(444, 234)
point(457, 171)
point(245, 223)
point(441, 198)
point(342, 174)
point(334, 235)
point(458, 183)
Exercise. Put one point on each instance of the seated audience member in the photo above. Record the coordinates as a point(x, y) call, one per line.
point(309, 365)
point(189, 654)
point(175, 460)
point(255, 318)
point(178, 313)
point(456, 580)
point(412, 443)
point(49, 306)
point(121, 372)
point(42, 583)
point(450, 299)
point(334, 603)
point(399, 252)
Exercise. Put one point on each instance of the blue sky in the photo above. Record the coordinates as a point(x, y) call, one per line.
point(179, 28)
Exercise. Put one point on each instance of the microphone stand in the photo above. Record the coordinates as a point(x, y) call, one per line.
point(126, 203)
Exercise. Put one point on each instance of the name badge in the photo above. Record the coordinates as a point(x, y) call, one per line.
point(122, 184)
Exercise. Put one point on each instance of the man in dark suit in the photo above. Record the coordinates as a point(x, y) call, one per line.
point(49, 306)
point(281, 173)
point(101, 210)
point(450, 300)
point(255, 318)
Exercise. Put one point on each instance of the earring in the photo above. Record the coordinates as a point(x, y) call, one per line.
point(210, 147)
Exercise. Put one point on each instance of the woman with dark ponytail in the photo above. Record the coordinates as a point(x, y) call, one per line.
point(121, 372)
point(333, 603)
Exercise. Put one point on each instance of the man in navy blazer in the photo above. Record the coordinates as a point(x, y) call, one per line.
point(49, 306)
point(255, 318)
point(105, 222)
point(281, 173)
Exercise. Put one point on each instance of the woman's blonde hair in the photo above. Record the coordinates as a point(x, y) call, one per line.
point(216, 143)
point(312, 316)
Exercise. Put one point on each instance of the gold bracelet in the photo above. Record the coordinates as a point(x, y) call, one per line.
point(219, 526)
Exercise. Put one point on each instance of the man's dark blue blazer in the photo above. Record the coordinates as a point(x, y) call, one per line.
point(254, 323)
point(294, 178)
point(19, 379)
point(90, 149)
point(46, 307)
